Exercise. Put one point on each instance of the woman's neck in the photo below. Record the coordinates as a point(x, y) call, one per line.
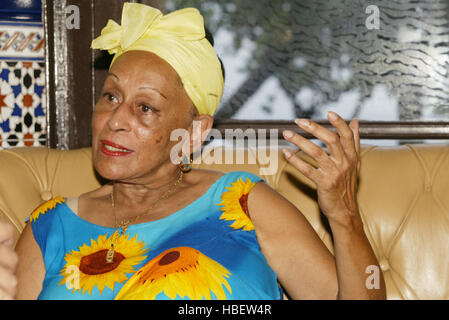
point(131, 198)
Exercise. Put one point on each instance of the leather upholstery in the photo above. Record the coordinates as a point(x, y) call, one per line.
point(403, 198)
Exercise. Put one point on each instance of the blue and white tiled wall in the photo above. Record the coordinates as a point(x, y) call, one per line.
point(22, 74)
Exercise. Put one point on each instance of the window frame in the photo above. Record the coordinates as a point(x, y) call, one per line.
point(394, 130)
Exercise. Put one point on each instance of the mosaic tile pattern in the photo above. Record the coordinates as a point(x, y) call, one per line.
point(22, 83)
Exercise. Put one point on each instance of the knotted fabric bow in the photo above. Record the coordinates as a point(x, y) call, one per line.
point(178, 38)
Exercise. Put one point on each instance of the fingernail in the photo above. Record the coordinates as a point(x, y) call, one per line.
point(331, 115)
point(287, 153)
point(302, 122)
point(354, 123)
point(287, 134)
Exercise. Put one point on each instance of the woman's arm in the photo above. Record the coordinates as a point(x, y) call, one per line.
point(30, 270)
point(303, 264)
point(293, 251)
point(336, 178)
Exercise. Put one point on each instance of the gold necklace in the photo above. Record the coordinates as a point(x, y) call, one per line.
point(123, 225)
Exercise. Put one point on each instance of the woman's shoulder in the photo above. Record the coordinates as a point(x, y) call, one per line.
point(46, 207)
point(44, 220)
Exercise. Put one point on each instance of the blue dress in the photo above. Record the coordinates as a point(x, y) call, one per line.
point(207, 250)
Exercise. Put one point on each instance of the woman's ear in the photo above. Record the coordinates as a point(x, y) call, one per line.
point(199, 130)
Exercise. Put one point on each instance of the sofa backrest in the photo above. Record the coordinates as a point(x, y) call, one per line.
point(403, 198)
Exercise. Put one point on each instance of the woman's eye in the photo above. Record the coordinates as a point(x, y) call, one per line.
point(110, 97)
point(145, 109)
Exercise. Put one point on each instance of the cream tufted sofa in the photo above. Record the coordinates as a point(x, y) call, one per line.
point(403, 197)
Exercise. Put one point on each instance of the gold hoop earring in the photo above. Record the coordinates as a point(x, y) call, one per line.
point(184, 165)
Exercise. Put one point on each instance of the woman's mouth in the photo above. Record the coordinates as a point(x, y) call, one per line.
point(112, 149)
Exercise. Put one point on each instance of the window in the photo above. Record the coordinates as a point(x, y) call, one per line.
point(385, 64)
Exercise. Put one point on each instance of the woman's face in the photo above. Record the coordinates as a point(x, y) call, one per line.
point(142, 102)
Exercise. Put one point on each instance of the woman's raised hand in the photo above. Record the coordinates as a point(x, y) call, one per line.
point(8, 262)
point(337, 172)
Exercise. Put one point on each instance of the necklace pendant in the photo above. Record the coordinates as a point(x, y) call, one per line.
point(110, 255)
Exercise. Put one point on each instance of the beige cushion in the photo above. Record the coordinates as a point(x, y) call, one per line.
point(403, 197)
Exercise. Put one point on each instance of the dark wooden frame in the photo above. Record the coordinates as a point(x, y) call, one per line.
point(72, 88)
point(406, 130)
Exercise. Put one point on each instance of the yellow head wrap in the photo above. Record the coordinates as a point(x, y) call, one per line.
point(178, 38)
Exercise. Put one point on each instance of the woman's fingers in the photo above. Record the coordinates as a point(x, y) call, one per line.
point(346, 133)
point(8, 282)
point(8, 258)
point(330, 139)
point(314, 151)
point(6, 234)
point(8, 262)
point(5, 296)
point(343, 146)
point(354, 125)
point(305, 168)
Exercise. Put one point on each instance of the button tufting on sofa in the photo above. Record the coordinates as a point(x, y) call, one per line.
point(384, 265)
point(46, 195)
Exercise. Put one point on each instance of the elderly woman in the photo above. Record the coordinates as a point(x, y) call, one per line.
point(161, 231)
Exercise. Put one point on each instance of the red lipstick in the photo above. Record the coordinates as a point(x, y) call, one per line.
point(112, 149)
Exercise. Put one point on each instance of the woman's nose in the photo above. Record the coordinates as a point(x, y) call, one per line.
point(120, 118)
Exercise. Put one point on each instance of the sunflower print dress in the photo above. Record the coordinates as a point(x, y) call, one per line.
point(207, 250)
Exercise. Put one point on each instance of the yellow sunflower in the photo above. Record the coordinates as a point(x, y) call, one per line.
point(43, 208)
point(92, 265)
point(235, 207)
point(181, 271)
